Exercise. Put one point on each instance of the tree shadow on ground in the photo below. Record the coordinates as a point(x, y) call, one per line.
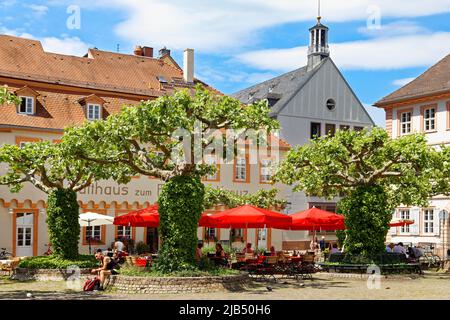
point(263, 287)
point(51, 295)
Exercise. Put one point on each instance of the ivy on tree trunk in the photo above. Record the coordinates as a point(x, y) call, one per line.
point(180, 208)
point(367, 215)
point(63, 224)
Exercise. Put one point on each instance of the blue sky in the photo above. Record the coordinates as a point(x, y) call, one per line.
point(378, 44)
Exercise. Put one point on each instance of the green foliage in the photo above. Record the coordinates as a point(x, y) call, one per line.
point(262, 198)
point(133, 136)
point(7, 97)
point(56, 262)
point(180, 207)
point(374, 172)
point(367, 214)
point(141, 248)
point(62, 221)
point(211, 270)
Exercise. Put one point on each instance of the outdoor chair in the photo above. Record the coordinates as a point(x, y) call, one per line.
point(266, 271)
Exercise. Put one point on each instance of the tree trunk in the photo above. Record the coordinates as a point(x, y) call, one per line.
point(62, 222)
point(180, 208)
point(367, 216)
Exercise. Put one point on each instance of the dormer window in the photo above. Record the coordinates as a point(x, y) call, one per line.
point(94, 112)
point(26, 105)
point(28, 97)
point(93, 107)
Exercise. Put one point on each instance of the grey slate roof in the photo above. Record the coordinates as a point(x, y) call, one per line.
point(284, 86)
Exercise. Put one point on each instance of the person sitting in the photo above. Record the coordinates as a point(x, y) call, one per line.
point(106, 269)
point(220, 256)
point(399, 248)
point(272, 251)
point(198, 252)
point(248, 249)
point(334, 249)
point(390, 247)
point(119, 245)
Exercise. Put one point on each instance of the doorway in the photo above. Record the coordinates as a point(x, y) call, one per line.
point(24, 234)
point(153, 239)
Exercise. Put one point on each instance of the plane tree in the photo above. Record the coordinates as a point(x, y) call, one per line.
point(372, 172)
point(165, 138)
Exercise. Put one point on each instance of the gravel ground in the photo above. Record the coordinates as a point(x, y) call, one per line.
point(429, 286)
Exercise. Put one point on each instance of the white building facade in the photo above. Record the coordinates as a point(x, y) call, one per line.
point(423, 106)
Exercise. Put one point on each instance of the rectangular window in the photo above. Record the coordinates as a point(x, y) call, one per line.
point(266, 170)
point(330, 129)
point(93, 112)
point(358, 128)
point(26, 105)
point(94, 233)
point(404, 215)
point(124, 232)
point(428, 221)
point(210, 233)
point(315, 130)
point(429, 119)
point(344, 127)
point(405, 122)
point(241, 169)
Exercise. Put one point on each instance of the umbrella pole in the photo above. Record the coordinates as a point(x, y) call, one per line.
point(89, 237)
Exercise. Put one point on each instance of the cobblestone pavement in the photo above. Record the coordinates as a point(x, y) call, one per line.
point(430, 286)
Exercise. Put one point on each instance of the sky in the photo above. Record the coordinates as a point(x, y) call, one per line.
point(379, 45)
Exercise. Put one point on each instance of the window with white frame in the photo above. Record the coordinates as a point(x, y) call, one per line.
point(26, 105)
point(94, 112)
point(210, 233)
point(405, 122)
point(94, 233)
point(428, 221)
point(124, 232)
point(266, 170)
point(404, 215)
point(429, 119)
point(241, 169)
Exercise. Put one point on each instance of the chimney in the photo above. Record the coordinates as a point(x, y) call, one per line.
point(164, 52)
point(138, 51)
point(188, 65)
point(147, 52)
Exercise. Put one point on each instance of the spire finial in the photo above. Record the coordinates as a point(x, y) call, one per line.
point(318, 12)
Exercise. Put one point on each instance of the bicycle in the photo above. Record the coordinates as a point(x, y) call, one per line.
point(5, 255)
point(431, 260)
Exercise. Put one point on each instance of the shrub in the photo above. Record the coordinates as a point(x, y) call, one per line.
point(56, 262)
point(152, 272)
point(141, 247)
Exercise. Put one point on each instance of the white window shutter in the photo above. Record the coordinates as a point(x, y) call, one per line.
point(436, 222)
point(393, 231)
point(414, 228)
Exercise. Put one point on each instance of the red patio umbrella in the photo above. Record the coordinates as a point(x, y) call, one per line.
point(317, 219)
point(147, 217)
point(400, 223)
point(248, 216)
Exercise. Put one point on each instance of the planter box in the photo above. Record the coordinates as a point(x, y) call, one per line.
point(23, 274)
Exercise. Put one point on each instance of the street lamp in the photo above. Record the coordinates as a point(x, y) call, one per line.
point(443, 216)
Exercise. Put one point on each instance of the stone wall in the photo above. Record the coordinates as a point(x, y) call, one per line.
point(128, 284)
point(23, 274)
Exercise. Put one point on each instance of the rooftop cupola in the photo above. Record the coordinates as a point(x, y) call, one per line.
point(318, 48)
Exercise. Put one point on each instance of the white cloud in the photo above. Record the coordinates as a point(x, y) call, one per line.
point(374, 54)
point(63, 45)
point(234, 24)
point(394, 29)
point(38, 10)
point(402, 82)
